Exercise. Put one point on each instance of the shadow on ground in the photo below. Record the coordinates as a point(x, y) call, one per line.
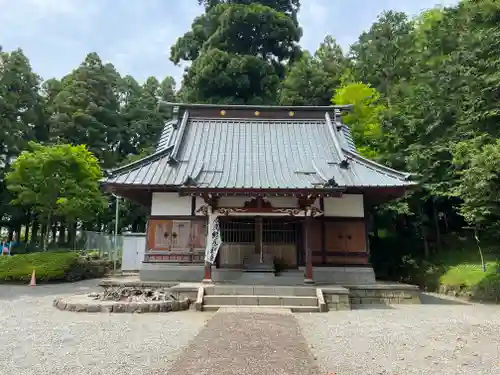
point(10, 292)
point(433, 299)
point(372, 307)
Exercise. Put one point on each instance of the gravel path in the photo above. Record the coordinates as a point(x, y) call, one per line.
point(438, 337)
point(444, 339)
point(247, 343)
point(36, 338)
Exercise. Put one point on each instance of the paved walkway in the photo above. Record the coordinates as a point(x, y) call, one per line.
point(247, 343)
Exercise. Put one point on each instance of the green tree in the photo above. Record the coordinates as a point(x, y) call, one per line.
point(20, 118)
point(380, 55)
point(478, 166)
point(313, 79)
point(60, 180)
point(86, 109)
point(239, 51)
point(366, 116)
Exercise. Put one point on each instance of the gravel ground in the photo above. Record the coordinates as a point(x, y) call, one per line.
point(438, 337)
point(432, 338)
point(247, 343)
point(36, 338)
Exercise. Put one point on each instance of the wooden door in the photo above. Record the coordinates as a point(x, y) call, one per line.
point(355, 237)
point(181, 235)
point(159, 234)
point(335, 240)
point(198, 235)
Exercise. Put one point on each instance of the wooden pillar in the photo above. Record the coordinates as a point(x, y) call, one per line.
point(258, 238)
point(308, 275)
point(207, 275)
point(323, 231)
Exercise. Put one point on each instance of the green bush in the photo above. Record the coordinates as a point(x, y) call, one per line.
point(50, 267)
point(488, 289)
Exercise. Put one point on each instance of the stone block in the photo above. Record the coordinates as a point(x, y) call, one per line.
point(270, 300)
point(332, 306)
point(344, 298)
point(355, 301)
point(332, 298)
point(93, 308)
point(81, 307)
point(107, 308)
point(303, 292)
point(132, 307)
point(220, 300)
point(261, 291)
point(357, 293)
point(184, 305)
point(343, 306)
point(321, 301)
point(176, 306)
point(247, 300)
point(221, 290)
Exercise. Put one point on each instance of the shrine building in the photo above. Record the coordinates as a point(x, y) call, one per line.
point(238, 193)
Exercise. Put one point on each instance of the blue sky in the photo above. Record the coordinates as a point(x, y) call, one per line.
point(136, 35)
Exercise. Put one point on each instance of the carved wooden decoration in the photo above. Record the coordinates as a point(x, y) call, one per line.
point(307, 200)
point(258, 202)
point(203, 210)
point(210, 199)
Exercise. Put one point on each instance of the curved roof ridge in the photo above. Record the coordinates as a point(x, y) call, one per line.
point(375, 165)
point(149, 158)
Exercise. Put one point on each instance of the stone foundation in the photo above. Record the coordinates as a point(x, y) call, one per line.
point(168, 272)
point(171, 272)
point(336, 298)
point(344, 275)
point(386, 294)
point(83, 304)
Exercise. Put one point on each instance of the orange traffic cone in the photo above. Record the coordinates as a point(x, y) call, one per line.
point(33, 279)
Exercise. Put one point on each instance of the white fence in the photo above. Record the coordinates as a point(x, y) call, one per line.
point(109, 246)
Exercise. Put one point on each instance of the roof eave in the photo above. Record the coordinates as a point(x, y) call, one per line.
point(323, 108)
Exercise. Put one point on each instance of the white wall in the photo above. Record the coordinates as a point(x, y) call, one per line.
point(133, 251)
point(349, 205)
point(286, 202)
point(233, 201)
point(170, 204)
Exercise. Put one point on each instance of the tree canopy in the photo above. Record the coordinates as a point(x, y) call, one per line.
point(239, 51)
point(425, 92)
point(56, 181)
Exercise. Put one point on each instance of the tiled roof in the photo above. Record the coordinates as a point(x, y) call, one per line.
point(256, 153)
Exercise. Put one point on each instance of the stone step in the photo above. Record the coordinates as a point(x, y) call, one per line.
point(296, 309)
point(260, 290)
point(257, 278)
point(255, 300)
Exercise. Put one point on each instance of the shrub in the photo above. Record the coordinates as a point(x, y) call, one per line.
point(50, 267)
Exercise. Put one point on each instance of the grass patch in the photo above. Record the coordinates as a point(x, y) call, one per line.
point(50, 267)
point(458, 271)
point(467, 275)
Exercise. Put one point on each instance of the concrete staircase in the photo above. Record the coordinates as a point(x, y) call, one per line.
point(296, 299)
